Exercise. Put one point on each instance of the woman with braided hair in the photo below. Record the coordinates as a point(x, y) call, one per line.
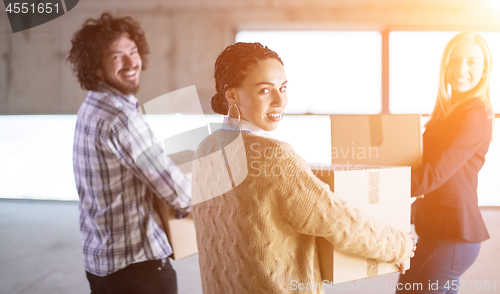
point(259, 236)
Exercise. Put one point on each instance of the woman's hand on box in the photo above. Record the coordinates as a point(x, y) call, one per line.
point(402, 266)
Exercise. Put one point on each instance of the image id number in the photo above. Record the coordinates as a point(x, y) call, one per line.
point(32, 8)
point(478, 285)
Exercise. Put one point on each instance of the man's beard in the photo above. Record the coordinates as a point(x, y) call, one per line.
point(127, 90)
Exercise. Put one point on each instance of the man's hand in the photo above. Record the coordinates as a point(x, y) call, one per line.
point(180, 215)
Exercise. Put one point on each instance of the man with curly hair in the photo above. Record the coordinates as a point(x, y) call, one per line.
point(125, 249)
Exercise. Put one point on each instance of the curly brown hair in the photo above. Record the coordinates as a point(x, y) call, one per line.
point(91, 41)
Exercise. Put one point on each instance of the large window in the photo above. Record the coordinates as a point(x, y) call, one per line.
point(328, 71)
point(340, 72)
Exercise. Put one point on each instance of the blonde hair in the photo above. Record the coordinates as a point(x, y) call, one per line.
point(482, 89)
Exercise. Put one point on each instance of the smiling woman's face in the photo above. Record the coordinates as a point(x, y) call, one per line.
point(465, 68)
point(261, 96)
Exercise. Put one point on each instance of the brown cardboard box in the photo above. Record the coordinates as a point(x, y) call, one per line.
point(391, 140)
point(180, 232)
point(383, 194)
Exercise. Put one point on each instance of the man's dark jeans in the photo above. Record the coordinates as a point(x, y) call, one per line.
point(148, 277)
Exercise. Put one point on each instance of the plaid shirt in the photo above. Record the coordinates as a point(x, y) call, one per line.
point(118, 223)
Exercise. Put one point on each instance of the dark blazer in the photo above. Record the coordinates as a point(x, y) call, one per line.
point(454, 149)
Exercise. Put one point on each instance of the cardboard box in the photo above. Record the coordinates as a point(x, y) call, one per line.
point(391, 140)
point(383, 194)
point(180, 232)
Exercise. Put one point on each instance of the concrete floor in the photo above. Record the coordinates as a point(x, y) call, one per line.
point(40, 252)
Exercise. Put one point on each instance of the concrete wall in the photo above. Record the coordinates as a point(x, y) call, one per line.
point(185, 37)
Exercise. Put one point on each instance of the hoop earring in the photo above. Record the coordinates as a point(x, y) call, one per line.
point(228, 116)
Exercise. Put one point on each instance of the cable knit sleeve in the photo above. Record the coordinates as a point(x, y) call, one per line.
point(351, 231)
point(317, 211)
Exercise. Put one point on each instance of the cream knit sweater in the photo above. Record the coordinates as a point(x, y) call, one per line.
point(261, 235)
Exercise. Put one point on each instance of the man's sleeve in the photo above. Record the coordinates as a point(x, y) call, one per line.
point(134, 145)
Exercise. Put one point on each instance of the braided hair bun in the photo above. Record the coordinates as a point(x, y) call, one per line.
point(231, 68)
point(219, 104)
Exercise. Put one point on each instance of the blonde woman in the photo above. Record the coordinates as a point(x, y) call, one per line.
point(457, 136)
point(259, 236)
